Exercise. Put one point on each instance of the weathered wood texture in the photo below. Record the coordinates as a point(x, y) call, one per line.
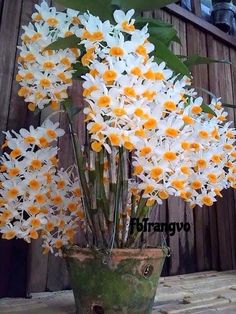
point(211, 243)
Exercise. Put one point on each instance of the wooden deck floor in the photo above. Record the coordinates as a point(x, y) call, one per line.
point(206, 292)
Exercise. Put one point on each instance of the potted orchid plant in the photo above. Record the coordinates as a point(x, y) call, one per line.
point(149, 136)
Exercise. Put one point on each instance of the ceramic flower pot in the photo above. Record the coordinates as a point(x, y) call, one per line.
point(125, 282)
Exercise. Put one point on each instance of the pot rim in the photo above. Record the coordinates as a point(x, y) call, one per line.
point(140, 253)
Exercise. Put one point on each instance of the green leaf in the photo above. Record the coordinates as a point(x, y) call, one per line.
point(63, 43)
point(71, 109)
point(207, 109)
point(101, 8)
point(144, 5)
point(229, 105)
point(75, 110)
point(164, 34)
point(195, 60)
point(207, 92)
point(214, 97)
point(142, 21)
point(79, 70)
point(172, 61)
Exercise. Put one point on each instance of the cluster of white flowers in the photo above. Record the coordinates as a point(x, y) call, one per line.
point(35, 198)
point(132, 102)
point(45, 75)
point(138, 104)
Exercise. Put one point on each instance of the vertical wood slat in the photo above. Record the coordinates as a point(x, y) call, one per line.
point(8, 37)
point(185, 214)
point(196, 7)
point(37, 262)
point(233, 211)
point(196, 42)
point(13, 254)
point(19, 109)
point(221, 84)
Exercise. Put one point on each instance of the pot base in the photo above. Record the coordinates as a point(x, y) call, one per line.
point(126, 283)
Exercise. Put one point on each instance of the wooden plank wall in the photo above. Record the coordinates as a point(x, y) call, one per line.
point(211, 243)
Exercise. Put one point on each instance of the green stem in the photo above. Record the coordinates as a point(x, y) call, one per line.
point(115, 235)
point(81, 170)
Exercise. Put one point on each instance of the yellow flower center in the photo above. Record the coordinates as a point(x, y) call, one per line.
point(114, 138)
point(34, 184)
point(46, 83)
point(61, 184)
point(36, 164)
point(35, 222)
point(141, 50)
point(104, 101)
point(33, 210)
point(58, 244)
point(196, 109)
point(52, 22)
point(40, 198)
point(72, 207)
point(150, 124)
point(137, 170)
point(36, 37)
point(10, 234)
point(159, 76)
point(228, 146)
point(128, 145)
point(141, 133)
point(116, 52)
point(49, 226)
point(51, 133)
point(33, 234)
point(96, 146)
point(185, 170)
point(170, 156)
point(14, 172)
point(195, 146)
point(145, 151)
point(170, 105)
point(207, 200)
point(15, 153)
point(57, 199)
point(30, 57)
point(76, 20)
point(66, 61)
point(196, 185)
point(149, 189)
point(128, 27)
point(212, 177)
point(188, 120)
point(149, 75)
point(203, 134)
point(178, 184)
point(29, 76)
point(129, 91)
point(201, 163)
point(156, 172)
point(119, 111)
point(136, 71)
point(172, 132)
point(216, 158)
point(109, 76)
point(163, 194)
point(23, 91)
point(96, 127)
point(149, 94)
point(96, 36)
point(43, 142)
